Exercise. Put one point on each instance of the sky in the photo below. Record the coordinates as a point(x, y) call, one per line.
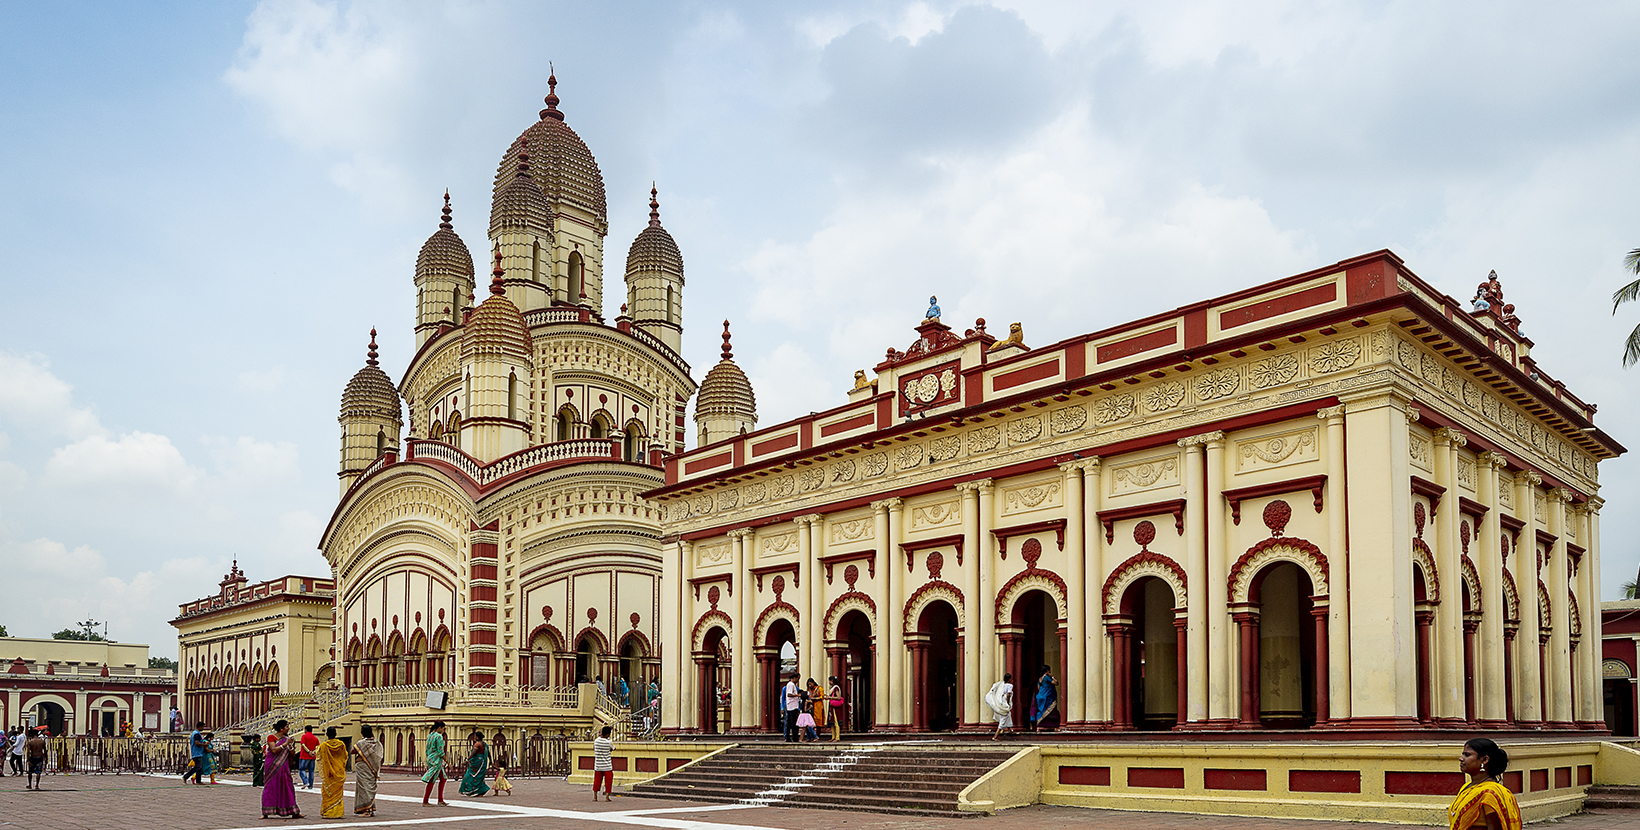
point(205, 207)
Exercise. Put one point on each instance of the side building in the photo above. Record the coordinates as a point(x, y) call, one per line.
point(1337, 501)
point(253, 647)
point(78, 687)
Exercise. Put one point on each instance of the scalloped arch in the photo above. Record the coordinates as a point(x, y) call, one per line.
point(931, 592)
point(1424, 560)
point(555, 638)
point(1511, 598)
point(697, 639)
point(776, 611)
point(850, 601)
point(599, 641)
point(1292, 549)
point(1572, 617)
point(643, 642)
point(1039, 579)
point(1142, 564)
point(1472, 581)
point(1545, 612)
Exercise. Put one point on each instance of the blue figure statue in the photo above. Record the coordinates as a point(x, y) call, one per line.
point(933, 309)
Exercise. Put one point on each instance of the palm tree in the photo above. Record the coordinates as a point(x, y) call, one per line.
point(1630, 589)
point(1631, 348)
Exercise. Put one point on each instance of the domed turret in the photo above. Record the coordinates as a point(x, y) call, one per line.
point(654, 280)
point(496, 349)
point(444, 276)
point(566, 173)
point(521, 225)
point(725, 406)
point(370, 418)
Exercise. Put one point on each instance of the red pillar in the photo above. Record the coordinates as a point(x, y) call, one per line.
point(1182, 647)
point(1121, 669)
point(1323, 679)
point(1425, 619)
point(1012, 656)
point(1469, 628)
point(1247, 621)
point(919, 685)
point(961, 703)
point(766, 668)
point(705, 701)
point(839, 670)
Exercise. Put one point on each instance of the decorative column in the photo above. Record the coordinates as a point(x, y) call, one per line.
point(673, 645)
point(1558, 563)
point(1492, 697)
point(1323, 683)
point(1013, 641)
point(1181, 624)
point(481, 604)
point(768, 674)
point(917, 644)
point(1471, 623)
point(1094, 686)
point(1425, 617)
point(1589, 680)
point(744, 697)
point(1338, 555)
point(881, 672)
point(1379, 503)
point(1192, 704)
point(974, 683)
point(1528, 676)
point(894, 626)
point(1120, 630)
point(990, 670)
point(1218, 575)
point(1247, 623)
point(1449, 614)
point(1076, 603)
point(814, 616)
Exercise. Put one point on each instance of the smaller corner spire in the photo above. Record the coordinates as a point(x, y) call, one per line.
point(444, 224)
point(552, 96)
point(728, 350)
point(496, 287)
point(370, 356)
point(654, 207)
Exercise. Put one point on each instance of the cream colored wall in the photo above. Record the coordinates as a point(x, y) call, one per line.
point(295, 635)
point(1367, 431)
point(85, 653)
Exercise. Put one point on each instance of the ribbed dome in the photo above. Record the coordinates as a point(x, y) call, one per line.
point(563, 166)
point(654, 249)
point(497, 326)
point(726, 390)
point(444, 254)
point(370, 394)
point(521, 204)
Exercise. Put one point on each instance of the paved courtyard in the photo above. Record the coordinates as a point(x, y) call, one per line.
point(110, 802)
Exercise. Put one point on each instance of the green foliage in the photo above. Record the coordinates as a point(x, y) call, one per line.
point(162, 663)
point(1629, 293)
point(1631, 588)
point(71, 634)
point(4, 632)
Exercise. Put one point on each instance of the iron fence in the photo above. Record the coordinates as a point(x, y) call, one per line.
point(91, 755)
point(525, 756)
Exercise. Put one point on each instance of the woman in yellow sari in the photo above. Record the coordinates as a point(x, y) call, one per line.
point(1484, 802)
point(333, 774)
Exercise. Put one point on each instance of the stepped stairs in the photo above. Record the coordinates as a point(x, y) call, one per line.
point(905, 779)
point(1612, 797)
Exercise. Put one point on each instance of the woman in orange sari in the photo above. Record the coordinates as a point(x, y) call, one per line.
point(332, 774)
point(1484, 802)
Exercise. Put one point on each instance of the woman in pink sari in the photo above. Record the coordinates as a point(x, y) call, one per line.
point(278, 793)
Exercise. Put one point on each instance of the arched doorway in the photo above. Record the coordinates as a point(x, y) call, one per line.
point(588, 666)
point(1148, 669)
point(776, 660)
point(854, 665)
point(934, 661)
point(52, 716)
point(1278, 626)
point(542, 649)
point(631, 655)
point(1031, 642)
point(711, 685)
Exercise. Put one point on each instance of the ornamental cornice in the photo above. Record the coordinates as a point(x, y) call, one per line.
point(887, 504)
point(1330, 412)
point(984, 485)
point(1446, 436)
point(1084, 464)
point(1202, 440)
point(1528, 477)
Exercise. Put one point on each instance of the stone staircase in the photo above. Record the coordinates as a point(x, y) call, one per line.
point(1612, 798)
point(874, 777)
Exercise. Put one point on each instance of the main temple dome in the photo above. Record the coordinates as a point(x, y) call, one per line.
point(560, 161)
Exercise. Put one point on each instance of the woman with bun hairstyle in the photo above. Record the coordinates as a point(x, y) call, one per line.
point(1484, 802)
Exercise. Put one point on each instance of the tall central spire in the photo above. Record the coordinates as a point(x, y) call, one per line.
point(552, 97)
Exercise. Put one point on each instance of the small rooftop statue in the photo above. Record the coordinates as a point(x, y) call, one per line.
point(933, 309)
point(1489, 294)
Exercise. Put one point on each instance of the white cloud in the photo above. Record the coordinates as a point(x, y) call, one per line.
point(30, 395)
point(137, 461)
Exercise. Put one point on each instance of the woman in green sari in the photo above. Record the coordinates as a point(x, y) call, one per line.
point(478, 764)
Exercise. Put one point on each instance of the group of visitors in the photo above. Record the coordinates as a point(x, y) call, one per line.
point(1044, 705)
point(24, 746)
point(330, 756)
point(805, 709)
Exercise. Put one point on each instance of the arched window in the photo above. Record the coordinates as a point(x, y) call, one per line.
point(600, 427)
point(512, 396)
point(535, 261)
point(671, 311)
point(454, 427)
point(577, 285)
point(632, 443)
point(436, 431)
point(381, 442)
point(455, 305)
point(566, 424)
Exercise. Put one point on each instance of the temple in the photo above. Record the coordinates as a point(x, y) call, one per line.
point(1340, 502)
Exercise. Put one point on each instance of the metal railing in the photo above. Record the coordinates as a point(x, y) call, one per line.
point(524, 755)
point(643, 723)
point(89, 755)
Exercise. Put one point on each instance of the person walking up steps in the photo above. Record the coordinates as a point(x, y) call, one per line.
point(603, 763)
point(834, 708)
point(435, 764)
point(1001, 701)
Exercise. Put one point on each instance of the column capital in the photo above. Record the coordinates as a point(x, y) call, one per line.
point(983, 485)
point(1446, 436)
point(1330, 412)
point(1560, 494)
point(1594, 504)
point(1494, 459)
point(1080, 464)
point(887, 504)
point(1204, 439)
point(1528, 477)
point(739, 533)
point(812, 518)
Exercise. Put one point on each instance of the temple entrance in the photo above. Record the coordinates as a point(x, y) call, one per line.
point(935, 659)
point(51, 716)
point(776, 660)
point(1148, 665)
point(632, 654)
point(1036, 644)
point(1619, 699)
point(541, 660)
point(587, 653)
point(1280, 635)
point(854, 630)
point(711, 684)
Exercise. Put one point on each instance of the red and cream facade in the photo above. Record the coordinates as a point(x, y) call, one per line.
point(252, 644)
point(82, 687)
point(1341, 500)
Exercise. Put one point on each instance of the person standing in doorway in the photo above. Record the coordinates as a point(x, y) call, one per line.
point(603, 763)
point(792, 698)
point(1047, 700)
point(1001, 700)
point(304, 762)
point(435, 764)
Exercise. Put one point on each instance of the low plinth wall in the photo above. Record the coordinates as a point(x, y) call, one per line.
point(637, 761)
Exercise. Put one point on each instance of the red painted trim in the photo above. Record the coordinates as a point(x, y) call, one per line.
point(1277, 306)
point(1109, 518)
point(1540, 780)
point(1430, 490)
point(1234, 779)
point(1511, 523)
point(1423, 783)
point(1076, 360)
point(885, 411)
point(1373, 279)
point(870, 557)
point(708, 462)
point(1317, 485)
point(910, 548)
point(1085, 776)
point(1171, 778)
point(805, 433)
point(1546, 538)
point(784, 442)
point(848, 424)
point(1470, 507)
point(774, 569)
point(1195, 326)
point(1003, 533)
point(1029, 374)
point(1137, 344)
point(707, 580)
point(1323, 781)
